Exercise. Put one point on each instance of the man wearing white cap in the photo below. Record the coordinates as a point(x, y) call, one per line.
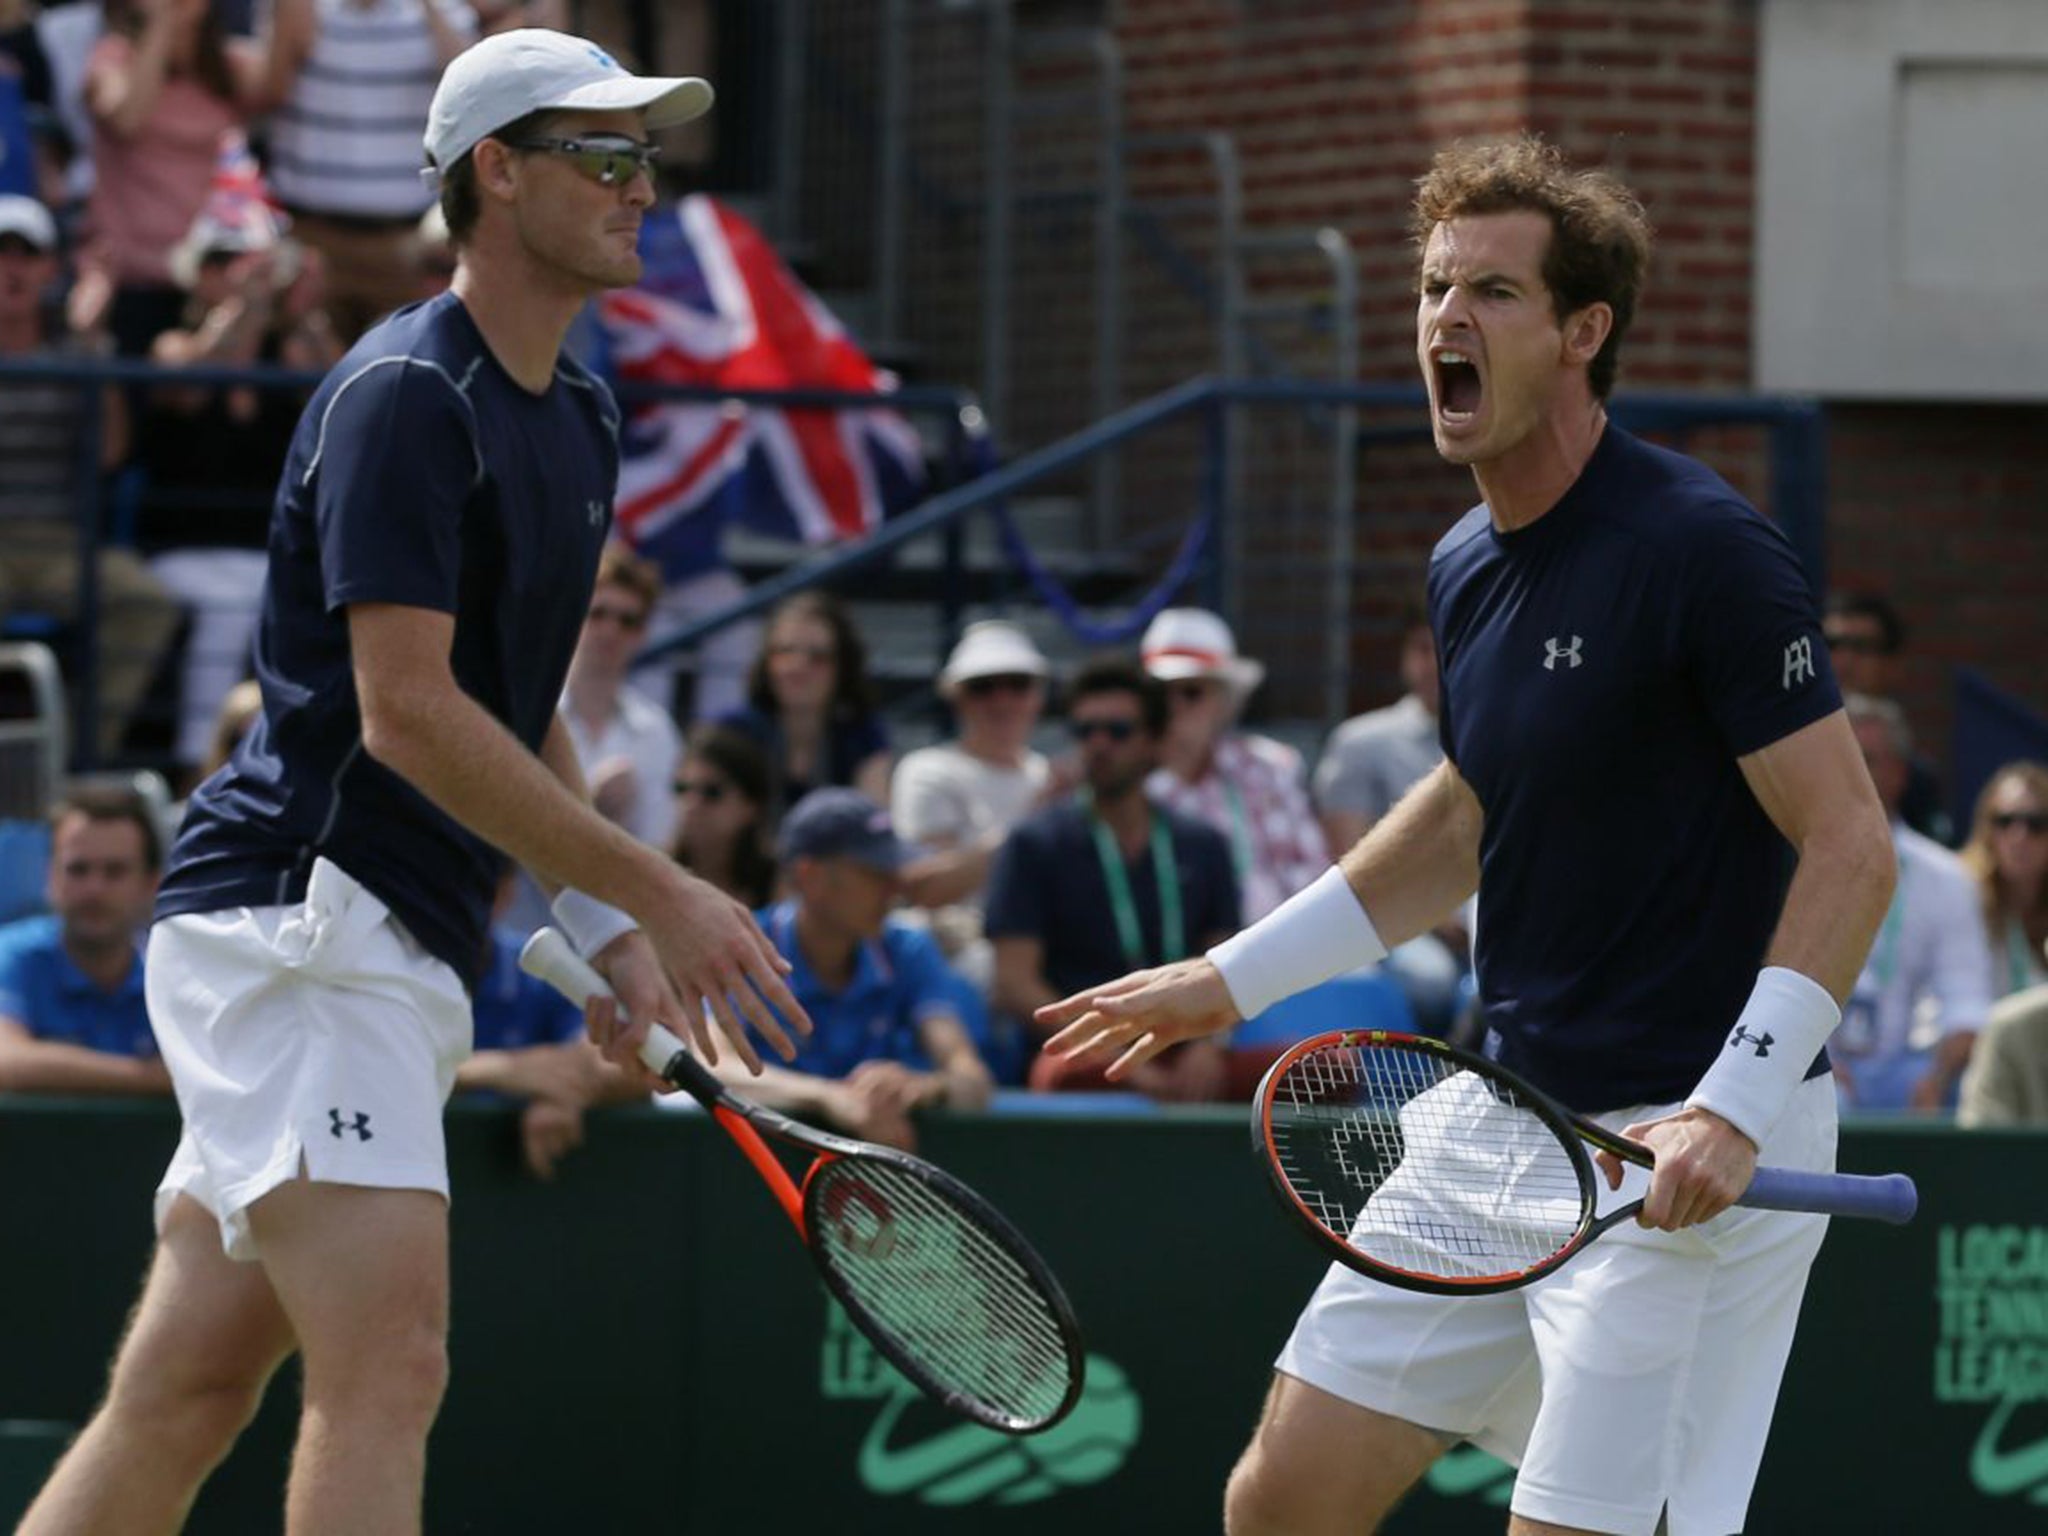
point(1250, 788)
point(959, 799)
point(327, 902)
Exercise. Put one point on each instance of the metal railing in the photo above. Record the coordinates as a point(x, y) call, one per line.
point(1795, 431)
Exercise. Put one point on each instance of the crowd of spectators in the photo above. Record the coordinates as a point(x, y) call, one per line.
point(179, 189)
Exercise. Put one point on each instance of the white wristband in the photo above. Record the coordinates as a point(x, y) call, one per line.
point(588, 922)
point(1786, 1021)
point(1315, 934)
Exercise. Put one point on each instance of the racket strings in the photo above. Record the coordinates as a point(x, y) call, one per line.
point(1424, 1166)
point(954, 1297)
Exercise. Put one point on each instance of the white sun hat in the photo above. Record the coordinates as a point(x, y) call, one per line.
point(991, 648)
point(1193, 642)
point(532, 69)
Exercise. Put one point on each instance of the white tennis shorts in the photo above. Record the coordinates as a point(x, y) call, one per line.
point(1636, 1381)
point(319, 1037)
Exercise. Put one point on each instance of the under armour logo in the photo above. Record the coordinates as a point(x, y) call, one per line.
point(596, 511)
point(1553, 653)
point(1798, 662)
point(336, 1125)
point(1763, 1042)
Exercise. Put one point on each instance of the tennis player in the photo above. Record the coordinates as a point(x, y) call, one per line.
point(432, 554)
point(1638, 719)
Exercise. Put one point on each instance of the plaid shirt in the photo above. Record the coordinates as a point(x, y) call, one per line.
point(1256, 795)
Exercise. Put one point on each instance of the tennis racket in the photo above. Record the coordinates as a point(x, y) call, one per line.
point(929, 1271)
point(1430, 1168)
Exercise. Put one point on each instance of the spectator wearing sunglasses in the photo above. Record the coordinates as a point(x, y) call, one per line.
point(1250, 788)
point(959, 800)
point(1109, 881)
point(1866, 642)
point(811, 705)
point(627, 745)
point(2007, 852)
point(721, 791)
point(1925, 990)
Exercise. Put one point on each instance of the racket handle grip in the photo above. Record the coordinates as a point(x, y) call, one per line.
point(1888, 1197)
point(552, 958)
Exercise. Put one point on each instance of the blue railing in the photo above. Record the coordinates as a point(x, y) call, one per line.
point(970, 487)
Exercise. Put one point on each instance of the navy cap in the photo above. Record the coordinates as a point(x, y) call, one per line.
point(843, 824)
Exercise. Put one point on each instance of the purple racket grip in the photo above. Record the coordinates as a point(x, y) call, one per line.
point(1884, 1197)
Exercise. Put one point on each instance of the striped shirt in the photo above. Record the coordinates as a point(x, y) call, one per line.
point(39, 450)
point(348, 139)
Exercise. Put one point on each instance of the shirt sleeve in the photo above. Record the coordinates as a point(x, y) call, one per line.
point(1018, 889)
point(1751, 635)
point(1218, 905)
point(395, 466)
point(14, 1003)
point(921, 804)
point(929, 986)
point(1961, 982)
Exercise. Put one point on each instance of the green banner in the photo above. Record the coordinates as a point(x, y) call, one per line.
point(642, 1346)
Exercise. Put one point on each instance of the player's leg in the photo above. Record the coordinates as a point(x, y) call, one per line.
point(1317, 1464)
point(1662, 1353)
point(1374, 1384)
point(204, 1340)
point(363, 1275)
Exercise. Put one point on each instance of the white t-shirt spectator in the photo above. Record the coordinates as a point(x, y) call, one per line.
point(641, 732)
point(948, 797)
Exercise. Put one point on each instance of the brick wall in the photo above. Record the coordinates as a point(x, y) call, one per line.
point(1336, 106)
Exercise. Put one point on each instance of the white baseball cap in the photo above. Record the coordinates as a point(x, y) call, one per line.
point(991, 648)
point(532, 69)
point(29, 219)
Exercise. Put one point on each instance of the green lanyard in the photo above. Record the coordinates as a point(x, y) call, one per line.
point(1165, 870)
point(1240, 832)
point(2018, 955)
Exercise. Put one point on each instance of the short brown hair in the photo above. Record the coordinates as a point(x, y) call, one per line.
point(461, 204)
point(618, 566)
point(1600, 237)
point(114, 802)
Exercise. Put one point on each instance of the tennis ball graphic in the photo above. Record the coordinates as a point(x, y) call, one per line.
point(965, 1463)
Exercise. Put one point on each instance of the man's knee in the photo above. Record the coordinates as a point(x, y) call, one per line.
point(201, 1406)
point(398, 1376)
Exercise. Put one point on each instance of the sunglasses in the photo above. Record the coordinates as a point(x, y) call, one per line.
point(609, 159)
point(2036, 822)
point(710, 791)
point(1008, 682)
point(1115, 730)
point(625, 618)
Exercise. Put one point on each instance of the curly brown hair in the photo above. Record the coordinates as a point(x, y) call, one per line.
point(1600, 246)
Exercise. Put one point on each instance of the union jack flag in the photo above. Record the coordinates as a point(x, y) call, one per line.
point(716, 305)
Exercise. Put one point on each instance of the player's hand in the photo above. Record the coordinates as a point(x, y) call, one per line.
point(1141, 1014)
point(720, 962)
point(1703, 1165)
point(548, 1132)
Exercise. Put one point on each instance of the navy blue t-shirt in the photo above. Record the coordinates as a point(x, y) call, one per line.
point(1048, 884)
point(421, 474)
point(1603, 668)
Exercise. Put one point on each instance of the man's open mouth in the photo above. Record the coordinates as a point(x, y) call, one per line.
point(1458, 389)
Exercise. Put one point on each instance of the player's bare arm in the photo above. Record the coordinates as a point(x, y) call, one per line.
point(1817, 792)
point(1410, 872)
point(707, 952)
